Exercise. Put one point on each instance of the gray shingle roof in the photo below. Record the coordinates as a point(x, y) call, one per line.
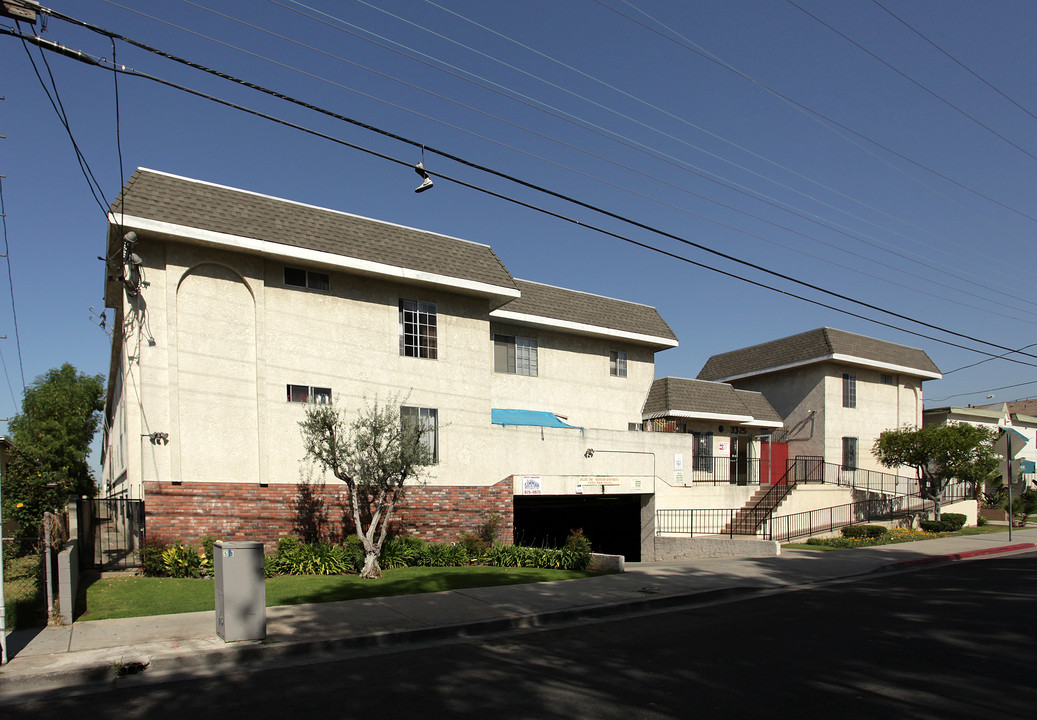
point(204, 206)
point(547, 301)
point(814, 346)
point(674, 397)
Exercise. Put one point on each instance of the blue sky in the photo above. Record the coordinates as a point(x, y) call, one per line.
point(915, 194)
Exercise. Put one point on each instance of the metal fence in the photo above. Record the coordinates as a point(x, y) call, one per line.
point(25, 596)
point(722, 471)
point(111, 533)
point(787, 527)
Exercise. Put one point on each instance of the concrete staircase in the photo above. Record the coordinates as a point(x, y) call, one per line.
point(757, 509)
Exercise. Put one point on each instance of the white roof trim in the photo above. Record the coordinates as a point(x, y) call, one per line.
point(694, 415)
point(289, 252)
point(581, 328)
point(837, 357)
point(766, 423)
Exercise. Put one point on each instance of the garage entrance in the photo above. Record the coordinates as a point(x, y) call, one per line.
point(611, 522)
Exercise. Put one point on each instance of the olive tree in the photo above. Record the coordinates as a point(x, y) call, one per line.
point(939, 454)
point(374, 453)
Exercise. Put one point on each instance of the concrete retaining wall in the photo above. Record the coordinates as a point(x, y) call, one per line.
point(607, 563)
point(667, 548)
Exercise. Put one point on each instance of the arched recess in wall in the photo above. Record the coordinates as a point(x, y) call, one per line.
point(216, 376)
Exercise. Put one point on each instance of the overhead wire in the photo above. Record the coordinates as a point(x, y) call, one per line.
point(914, 82)
point(10, 284)
point(683, 165)
point(911, 288)
point(82, 57)
point(816, 115)
point(955, 60)
point(59, 109)
point(586, 205)
point(702, 172)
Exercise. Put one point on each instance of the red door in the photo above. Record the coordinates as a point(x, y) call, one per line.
point(774, 457)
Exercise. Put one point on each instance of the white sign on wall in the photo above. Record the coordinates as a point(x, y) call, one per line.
point(531, 485)
point(678, 461)
point(724, 448)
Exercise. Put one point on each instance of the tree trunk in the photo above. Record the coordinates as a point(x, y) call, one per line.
point(372, 570)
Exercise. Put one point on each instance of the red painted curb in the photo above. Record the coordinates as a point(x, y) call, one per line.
point(959, 556)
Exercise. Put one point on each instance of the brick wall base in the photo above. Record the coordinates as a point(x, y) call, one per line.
point(248, 511)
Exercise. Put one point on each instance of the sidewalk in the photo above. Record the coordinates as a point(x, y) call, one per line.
point(92, 653)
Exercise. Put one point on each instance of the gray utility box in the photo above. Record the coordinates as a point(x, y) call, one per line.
point(240, 590)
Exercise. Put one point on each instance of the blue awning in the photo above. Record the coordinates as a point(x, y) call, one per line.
point(536, 418)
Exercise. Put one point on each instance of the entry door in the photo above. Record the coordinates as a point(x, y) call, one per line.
point(739, 462)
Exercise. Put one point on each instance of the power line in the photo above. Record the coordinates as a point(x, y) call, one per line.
point(596, 178)
point(10, 284)
point(78, 55)
point(816, 115)
point(681, 164)
point(958, 62)
point(914, 82)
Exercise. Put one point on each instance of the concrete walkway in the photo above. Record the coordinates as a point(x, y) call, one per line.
point(92, 653)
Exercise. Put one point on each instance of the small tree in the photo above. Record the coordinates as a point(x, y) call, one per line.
point(939, 454)
point(374, 455)
point(61, 411)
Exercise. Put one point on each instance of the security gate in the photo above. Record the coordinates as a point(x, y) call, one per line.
point(111, 533)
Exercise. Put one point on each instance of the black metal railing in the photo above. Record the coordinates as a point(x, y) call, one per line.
point(722, 471)
point(787, 527)
point(111, 532)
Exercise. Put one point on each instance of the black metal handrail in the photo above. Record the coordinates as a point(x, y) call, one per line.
point(786, 527)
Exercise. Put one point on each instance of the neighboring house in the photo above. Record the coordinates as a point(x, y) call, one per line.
point(1012, 415)
point(234, 311)
point(836, 391)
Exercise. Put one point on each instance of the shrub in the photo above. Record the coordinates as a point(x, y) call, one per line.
point(151, 558)
point(182, 561)
point(354, 550)
point(934, 526)
point(956, 521)
point(319, 558)
point(863, 531)
point(982, 521)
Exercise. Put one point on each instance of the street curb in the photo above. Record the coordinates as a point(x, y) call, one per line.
point(103, 674)
point(951, 557)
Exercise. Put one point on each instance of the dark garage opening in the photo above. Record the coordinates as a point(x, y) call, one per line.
point(611, 522)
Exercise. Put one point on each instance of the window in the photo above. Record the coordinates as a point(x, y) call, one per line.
point(849, 453)
point(617, 363)
point(849, 390)
point(427, 422)
point(308, 394)
point(888, 380)
point(418, 329)
point(702, 447)
point(516, 355)
point(297, 277)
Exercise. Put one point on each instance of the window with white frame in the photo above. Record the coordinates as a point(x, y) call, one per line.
point(418, 329)
point(617, 363)
point(849, 453)
point(309, 394)
point(297, 277)
point(427, 422)
point(515, 355)
point(849, 390)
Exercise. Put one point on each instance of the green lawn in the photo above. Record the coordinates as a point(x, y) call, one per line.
point(101, 599)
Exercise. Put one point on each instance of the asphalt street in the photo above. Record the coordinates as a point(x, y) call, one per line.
point(954, 641)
